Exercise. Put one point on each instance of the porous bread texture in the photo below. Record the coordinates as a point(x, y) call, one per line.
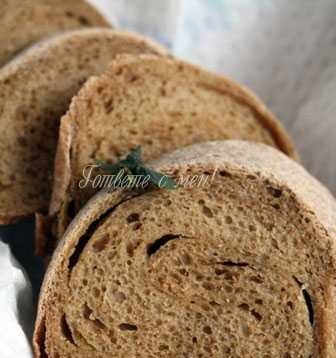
point(23, 22)
point(160, 104)
point(35, 91)
point(242, 268)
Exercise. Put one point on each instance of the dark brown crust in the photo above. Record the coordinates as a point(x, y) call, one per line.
point(62, 166)
point(236, 157)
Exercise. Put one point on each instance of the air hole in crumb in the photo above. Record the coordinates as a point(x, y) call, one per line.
point(256, 279)
point(186, 259)
point(224, 173)
point(308, 301)
point(207, 330)
point(137, 226)
point(98, 324)
point(244, 307)
point(252, 228)
point(100, 244)
point(228, 219)
point(108, 105)
point(276, 193)
point(290, 305)
point(128, 327)
point(133, 217)
point(131, 77)
point(231, 263)
point(83, 21)
point(131, 247)
point(66, 330)
point(83, 240)
point(207, 212)
point(309, 304)
point(87, 311)
point(120, 297)
point(159, 243)
point(256, 315)
point(96, 292)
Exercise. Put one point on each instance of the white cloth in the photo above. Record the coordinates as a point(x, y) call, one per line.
point(16, 313)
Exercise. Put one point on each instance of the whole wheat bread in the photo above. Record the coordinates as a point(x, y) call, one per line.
point(35, 91)
point(158, 103)
point(242, 267)
point(23, 22)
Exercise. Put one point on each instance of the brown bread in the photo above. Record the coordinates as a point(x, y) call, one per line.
point(158, 103)
point(23, 22)
point(35, 91)
point(243, 267)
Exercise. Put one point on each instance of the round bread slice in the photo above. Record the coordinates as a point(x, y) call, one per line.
point(242, 265)
point(35, 92)
point(160, 104)
point(23, 22)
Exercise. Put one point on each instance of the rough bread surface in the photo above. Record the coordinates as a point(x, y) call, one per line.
point(244, 267)
point(35, 91)
point(23, 22)
point(159, 103)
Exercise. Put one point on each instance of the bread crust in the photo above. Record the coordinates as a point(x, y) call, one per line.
point(233, 157)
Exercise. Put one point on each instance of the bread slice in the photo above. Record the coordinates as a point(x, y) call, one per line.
point(240, 266)
point(23, 22)
point(35, 92)
point(158, 103)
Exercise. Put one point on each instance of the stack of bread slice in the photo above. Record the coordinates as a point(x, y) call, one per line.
point(243, 267)
point(36, 90)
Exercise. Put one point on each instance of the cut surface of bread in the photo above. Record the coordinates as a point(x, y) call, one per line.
point(35, 90)
point(160, 104)
point(24, 22)
point(241, 267)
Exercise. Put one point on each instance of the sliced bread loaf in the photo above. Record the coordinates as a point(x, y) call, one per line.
point(242, 266)
point(23, 22)
point(35, 91)
point(158, 103)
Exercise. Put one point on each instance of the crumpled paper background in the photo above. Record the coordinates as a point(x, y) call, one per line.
point(284, 50)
